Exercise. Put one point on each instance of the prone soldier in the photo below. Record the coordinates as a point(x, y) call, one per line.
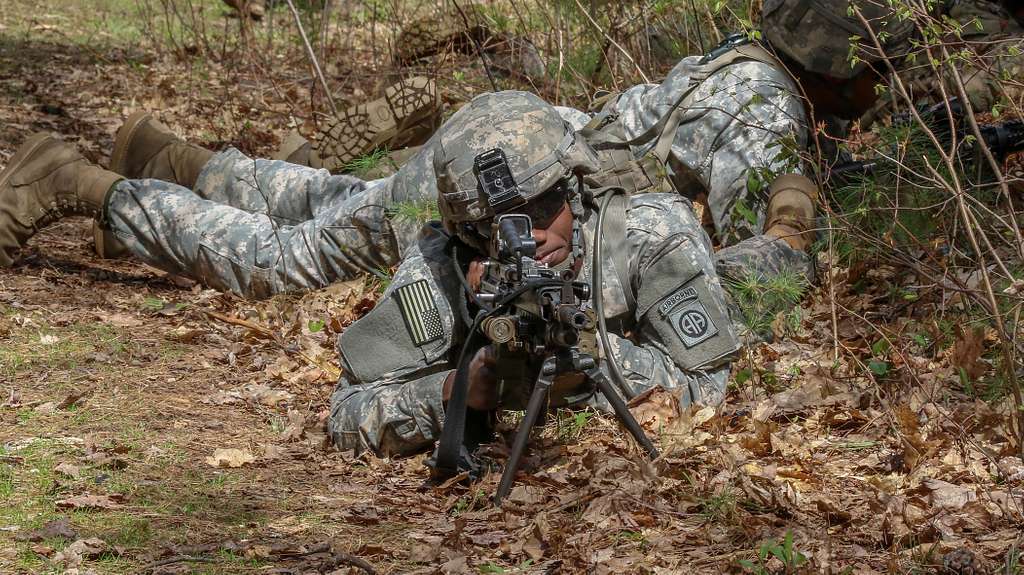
point(660, 281)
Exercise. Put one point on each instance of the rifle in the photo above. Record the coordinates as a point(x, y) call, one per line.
point(539, 322)
point(1002, 138)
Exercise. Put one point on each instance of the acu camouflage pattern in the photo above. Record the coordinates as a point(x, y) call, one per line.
point(538, 144)
point(746, 123)
point(995, 74)
point(395, 407)
point(260, 227)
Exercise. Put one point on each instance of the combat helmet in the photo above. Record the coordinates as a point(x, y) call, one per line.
point(542, 151)
point(817, 33)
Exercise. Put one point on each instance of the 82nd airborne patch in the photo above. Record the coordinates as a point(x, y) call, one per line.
point(688, 317)
point(420, 312)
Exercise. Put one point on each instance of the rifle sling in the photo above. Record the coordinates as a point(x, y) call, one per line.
point(453, 431)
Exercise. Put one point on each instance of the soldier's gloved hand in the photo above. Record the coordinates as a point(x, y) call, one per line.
point(483, 382)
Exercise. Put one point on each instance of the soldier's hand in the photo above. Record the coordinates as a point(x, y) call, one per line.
point(483, 382)
point(475, 274)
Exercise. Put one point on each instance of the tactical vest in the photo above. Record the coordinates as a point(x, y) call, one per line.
point(650, 172)
point(620, 170)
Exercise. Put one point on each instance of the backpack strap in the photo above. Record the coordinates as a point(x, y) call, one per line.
point(615, 238)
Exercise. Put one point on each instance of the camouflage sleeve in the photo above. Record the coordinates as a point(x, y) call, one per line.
point(395, 358)
point(682, 338)
point(388, 417)
point(646, 365)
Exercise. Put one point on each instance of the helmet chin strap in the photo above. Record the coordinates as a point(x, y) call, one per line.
point(576, 207)
point(569, 263)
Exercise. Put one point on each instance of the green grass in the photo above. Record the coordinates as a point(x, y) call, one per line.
point(416, 212)
point(365, 164)
point(64, 347)
point(761, 299)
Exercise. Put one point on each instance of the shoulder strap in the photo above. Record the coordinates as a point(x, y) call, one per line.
point(739, 53)
point(615, 234)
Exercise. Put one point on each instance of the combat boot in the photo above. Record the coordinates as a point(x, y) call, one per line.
point(254, 9)
point(145, 148)
point(406, 115)
point(46, 180)
point(463, 29)
point(791, 210)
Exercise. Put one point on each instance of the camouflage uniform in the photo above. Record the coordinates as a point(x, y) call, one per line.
point(391, 401)
point(260, 227)
point(731, 142)
point(991, 71)
point(321, 228)
point(996, 73)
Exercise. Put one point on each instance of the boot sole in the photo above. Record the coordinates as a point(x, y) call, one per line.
point(363, 128)
point(124, 137)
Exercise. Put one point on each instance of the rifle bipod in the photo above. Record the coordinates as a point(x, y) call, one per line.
point(538, 398)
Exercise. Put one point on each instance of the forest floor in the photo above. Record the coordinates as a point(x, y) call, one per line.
point(150, 426)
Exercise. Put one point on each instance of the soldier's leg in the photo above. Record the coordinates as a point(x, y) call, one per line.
point(287, 193)
point(784, 246)
point(230, 249)
point(778, 260)
point(762, 258)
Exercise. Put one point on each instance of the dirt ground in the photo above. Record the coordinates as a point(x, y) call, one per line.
point(150, 426)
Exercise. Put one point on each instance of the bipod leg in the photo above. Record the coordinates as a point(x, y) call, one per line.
point(621, 411)
point(534, 408)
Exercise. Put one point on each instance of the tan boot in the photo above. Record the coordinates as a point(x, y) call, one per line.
point(254, 9)
point(45, 181)
point(145, 148)
point(791, 210)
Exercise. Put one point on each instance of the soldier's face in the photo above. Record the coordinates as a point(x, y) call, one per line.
point(554, 243)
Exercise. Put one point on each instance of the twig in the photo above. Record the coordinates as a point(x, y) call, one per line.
point(476, 44)
point(613, 42)
point(341, 558)
point(956, 189)
point(176, 559)
point(312, 57)
point(328, 369)
point(338, 558)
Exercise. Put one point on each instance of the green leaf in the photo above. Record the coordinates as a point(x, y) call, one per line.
point(880, 347)
point(879, 368)
point(316, 325)
point(153, 304)
point(745, 212)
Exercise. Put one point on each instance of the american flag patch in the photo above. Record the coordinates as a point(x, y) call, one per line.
point(419, 311)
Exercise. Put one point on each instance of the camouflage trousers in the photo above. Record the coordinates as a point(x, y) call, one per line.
point(260, 227)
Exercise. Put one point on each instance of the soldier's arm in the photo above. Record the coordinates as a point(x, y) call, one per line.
point(683, 339)
point(396, 416)
point(395, 360)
